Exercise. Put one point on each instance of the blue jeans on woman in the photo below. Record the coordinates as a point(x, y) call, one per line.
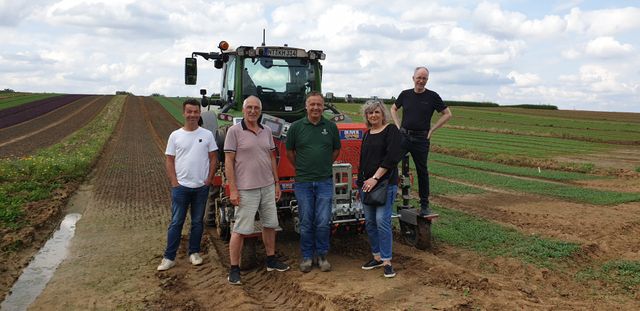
point(378, 223)
point(181, 199)
point(314, 207)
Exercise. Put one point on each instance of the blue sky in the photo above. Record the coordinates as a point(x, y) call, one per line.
point(573, 54)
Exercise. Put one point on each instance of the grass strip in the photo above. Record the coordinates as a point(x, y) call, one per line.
point(491, 239)
point(625, 273)
point(513, 170)
point(573, 193)
point(439, 186)
point(173, 109)
point(34, 178)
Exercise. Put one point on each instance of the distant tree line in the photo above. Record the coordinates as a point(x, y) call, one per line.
point(544, 107)
point(389, 101)
point(123, 93)
point(7, 91)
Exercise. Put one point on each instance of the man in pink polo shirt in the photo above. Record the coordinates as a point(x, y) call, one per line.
point(252, 174)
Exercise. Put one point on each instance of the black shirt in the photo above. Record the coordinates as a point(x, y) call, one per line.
point(380, 150)
point(418, 108)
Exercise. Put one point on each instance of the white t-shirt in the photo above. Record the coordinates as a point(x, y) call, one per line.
point(191, 149)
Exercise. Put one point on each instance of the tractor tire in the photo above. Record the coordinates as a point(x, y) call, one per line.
point(248, 257)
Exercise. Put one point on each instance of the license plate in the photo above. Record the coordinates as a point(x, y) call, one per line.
point(281, 52)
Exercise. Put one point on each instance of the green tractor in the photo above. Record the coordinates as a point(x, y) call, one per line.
point(279, 76)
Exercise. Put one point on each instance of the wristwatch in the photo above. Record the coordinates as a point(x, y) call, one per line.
point(376, 178)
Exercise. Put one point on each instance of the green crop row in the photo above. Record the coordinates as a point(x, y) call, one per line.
point(439, 186)
point(19, 100)
point(563, 191)
point(513, 170)
point(604, 136)
point(34, 178)
point(171, 105)
point(625, 273)
point(541, 147)
point(492, 118)
point(491, 239)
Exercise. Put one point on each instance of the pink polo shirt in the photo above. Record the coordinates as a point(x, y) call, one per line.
point(253, 155)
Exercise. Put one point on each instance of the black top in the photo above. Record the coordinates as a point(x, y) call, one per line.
point(418, 108)
point(380, 150)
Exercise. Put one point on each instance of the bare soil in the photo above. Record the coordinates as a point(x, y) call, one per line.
point(121, 236)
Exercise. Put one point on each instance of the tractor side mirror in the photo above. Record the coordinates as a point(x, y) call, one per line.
point(190, 71)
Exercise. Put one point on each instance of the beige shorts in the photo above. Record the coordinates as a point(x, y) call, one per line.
point(261, 200)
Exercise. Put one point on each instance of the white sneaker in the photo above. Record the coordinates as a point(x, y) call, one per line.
point(166, 264)
point(195, 258)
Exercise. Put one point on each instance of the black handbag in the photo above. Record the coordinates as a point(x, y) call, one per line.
point(378, 195)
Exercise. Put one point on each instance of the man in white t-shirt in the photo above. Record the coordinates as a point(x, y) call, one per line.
point(191, 164)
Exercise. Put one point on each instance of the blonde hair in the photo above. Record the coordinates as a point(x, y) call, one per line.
point(371, 105)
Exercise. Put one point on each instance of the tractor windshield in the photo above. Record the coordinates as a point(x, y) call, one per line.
point(281, 84)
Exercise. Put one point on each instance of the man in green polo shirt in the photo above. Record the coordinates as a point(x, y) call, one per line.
point(313, 143)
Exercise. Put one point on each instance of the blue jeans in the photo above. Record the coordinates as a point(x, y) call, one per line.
point(378, 223)
point(418, 147)
point(181, 199)
point(314, 207)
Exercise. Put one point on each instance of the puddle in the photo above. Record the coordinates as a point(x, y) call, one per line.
point(35, 277)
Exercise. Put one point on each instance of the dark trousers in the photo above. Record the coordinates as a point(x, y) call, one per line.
point(418, 146)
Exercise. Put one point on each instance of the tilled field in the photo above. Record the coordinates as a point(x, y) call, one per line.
point(17, 114)
point(26, 137)
point(125, 210)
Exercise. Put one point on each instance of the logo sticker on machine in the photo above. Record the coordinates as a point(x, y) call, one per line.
point(351, 134)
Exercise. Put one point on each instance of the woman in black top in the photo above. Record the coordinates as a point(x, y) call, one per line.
point(379, 157)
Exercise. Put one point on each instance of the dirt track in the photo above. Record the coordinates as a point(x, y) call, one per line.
point(121, 236)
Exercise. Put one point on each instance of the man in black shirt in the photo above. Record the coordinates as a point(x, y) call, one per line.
point(418, 105)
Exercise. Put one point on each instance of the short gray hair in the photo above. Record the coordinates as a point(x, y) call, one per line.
point(244, 103)
point(418, 68)
point(371, 105)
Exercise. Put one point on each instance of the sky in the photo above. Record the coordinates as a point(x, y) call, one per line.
point(577, 55)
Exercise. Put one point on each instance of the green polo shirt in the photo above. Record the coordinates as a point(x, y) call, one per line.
point(314, 144)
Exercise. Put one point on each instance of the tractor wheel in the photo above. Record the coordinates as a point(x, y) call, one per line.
point(248, 257)
point(419, 235)
point(222, 225)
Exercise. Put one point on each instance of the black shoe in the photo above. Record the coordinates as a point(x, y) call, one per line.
point(234, 276)
point(277, 265)
point(388, 271)
point(373, 263)
point(425, 211)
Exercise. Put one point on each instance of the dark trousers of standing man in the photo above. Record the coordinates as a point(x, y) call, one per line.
point(417, 144)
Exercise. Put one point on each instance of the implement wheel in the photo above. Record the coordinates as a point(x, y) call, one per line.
point(418, 235)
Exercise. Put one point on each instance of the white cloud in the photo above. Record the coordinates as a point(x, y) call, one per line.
point(603, 22)
point(524, 79)
point(491, 17)
point(607, 47)
point(570, 54)
point(509, 54)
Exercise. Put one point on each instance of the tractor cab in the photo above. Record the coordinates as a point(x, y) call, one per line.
point(280, 76)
